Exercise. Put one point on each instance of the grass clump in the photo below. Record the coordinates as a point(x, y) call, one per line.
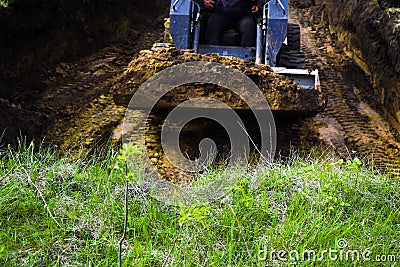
point(4, 3)
point(60, 212)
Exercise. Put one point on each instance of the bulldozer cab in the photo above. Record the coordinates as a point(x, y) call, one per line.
point(277, 44)
point(230, 37)
point(188, 23)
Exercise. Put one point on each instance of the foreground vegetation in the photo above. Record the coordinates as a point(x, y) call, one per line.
point(4, 3)
point(60, 212)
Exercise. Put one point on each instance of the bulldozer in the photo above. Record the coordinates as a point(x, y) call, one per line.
point(204, 92)
point(277, 43)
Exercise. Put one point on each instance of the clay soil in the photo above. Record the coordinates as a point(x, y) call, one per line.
point(78, 102)
point(353, 120)
point(369, 33)
point(55, 83)
point(282, 94)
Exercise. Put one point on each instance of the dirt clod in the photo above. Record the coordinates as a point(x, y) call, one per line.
point(282, 93)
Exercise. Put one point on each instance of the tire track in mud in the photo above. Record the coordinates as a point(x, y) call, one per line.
point(78, 97)
point(352, 124)
point(90, 82)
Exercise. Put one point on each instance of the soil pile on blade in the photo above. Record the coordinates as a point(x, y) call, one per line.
point(282, 93)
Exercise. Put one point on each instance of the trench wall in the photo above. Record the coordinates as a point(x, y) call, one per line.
point(36, 33)
point(370, 33)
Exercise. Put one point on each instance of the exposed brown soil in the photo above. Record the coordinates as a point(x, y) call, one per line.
point(72, 103)
point(38, 33)
point(58, 75)
point(352, 120)
point(369, 32)
point(282, 93)
point(286, 99)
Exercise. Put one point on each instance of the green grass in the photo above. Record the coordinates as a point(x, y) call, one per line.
point(4, 3)
point(62, 212)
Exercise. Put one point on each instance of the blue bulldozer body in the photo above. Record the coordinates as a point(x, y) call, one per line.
point(277, 45)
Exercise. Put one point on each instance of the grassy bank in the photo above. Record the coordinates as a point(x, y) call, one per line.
point(313, 211)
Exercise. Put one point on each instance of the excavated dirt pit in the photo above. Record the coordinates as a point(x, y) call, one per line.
point(286, 99)
point(353, 120)
point(59, 60)
point(369, 33)
point(72, 104)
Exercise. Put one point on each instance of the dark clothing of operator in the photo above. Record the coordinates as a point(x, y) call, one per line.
point(231, 14)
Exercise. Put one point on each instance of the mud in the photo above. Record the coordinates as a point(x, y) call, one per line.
point(35, 33)
point(71, 94)
point(59, 59)
point(353, 122)
point(369, 32)
point(288, 102)
point(283, 94)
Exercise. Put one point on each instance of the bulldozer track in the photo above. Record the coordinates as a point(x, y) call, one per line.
point(350, 122)
point(77, 96)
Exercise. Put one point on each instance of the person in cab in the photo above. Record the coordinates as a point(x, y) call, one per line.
point(231, 14)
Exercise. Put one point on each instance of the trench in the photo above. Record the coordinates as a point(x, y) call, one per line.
point(354, 118)
point(68, 102)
